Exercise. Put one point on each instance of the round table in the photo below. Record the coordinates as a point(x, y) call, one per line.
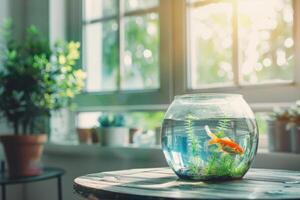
point(162, 184)
point(48, 173)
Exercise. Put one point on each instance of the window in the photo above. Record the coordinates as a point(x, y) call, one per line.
point(240, 42)
point(247, 47)
point(136, 119)
point(143, 127)
point(140, 53)
point(126, 52)
point(142, 47)
point(121, 41)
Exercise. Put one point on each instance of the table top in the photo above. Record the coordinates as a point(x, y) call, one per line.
point(162, 183)
point(48, 173)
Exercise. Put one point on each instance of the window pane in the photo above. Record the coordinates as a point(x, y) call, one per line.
point(140, 68)
point(144, 127)
point(210, 39)
point(266, 40)
point(145, 120)
point(101, 56)
point(140, 4)
point(98, 8)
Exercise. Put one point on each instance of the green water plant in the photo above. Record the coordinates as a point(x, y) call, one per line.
point(222, 126)
point(193, 145)
point(192, 139)
point(219, 164)
point(225, 165)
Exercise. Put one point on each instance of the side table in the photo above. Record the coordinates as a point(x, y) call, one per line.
point(48, 173)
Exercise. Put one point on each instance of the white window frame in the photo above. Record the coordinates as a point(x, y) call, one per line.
point(174, 68)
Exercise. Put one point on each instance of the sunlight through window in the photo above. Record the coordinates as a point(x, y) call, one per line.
point(241, 42)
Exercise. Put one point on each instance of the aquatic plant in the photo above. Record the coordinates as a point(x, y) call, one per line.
point(195, 164)
point(240, 170)
point(223, 125)
point(193, 145)
point(224, 165)
point(192, 139)
point(212, 166)
point(220, 164)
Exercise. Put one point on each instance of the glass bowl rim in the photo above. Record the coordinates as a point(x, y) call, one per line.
point(207, 95)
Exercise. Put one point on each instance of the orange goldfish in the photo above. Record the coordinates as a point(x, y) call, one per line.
point(226, 144)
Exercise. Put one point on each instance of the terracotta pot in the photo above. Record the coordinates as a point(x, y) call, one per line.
point(23, 154)
point(87, 135)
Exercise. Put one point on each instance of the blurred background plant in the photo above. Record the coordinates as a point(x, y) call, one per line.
point(111, 120)
point(35, 79)
point(289, 113)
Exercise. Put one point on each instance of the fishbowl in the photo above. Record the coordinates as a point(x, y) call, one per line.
point(209, 136)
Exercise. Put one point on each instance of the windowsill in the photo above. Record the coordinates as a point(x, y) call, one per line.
point(106, 151)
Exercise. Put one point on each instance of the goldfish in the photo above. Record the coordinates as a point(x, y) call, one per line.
point(226, 144)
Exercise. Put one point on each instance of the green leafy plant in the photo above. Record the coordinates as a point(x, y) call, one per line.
point(111, 120)
point(219, 164)
point(225, 165)
point(35, 79)
point(192, 139)
point(223, 125)
point(193, 145)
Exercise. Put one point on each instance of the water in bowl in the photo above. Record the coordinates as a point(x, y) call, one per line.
point(192, 153)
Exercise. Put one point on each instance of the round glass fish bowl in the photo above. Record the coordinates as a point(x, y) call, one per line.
point(209, 136)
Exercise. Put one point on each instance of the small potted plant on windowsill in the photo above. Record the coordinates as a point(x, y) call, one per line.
point(87, 135)
point(112, 130)
point(34, 79)
point(295, 127)
point(278, 136)
point(283, 129)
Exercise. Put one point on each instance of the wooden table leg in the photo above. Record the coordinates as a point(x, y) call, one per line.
point(59, 188)
point(3, 190)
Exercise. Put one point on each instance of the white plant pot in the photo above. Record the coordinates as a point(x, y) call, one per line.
point(114, 136)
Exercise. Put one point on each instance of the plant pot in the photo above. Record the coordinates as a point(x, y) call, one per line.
point(279, 136)
point(87, 136)
point(295, 139)
point(23, 154)
point(114, 136)
point(271, 135)
point(132, 132)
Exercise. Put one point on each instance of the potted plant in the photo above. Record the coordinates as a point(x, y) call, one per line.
point(283, 129)
point(295, 127)
point(34, 79)
point(112, 130)
point(278, 134)
point(87, 135)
